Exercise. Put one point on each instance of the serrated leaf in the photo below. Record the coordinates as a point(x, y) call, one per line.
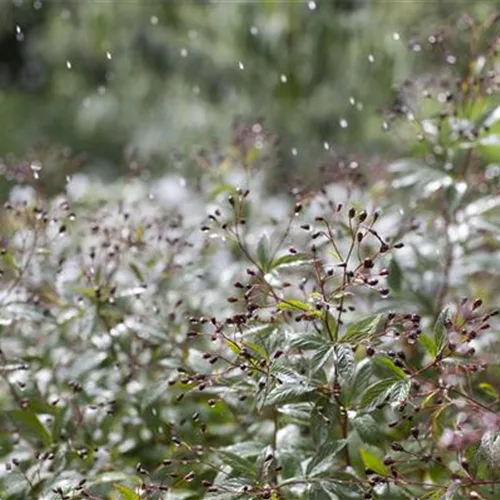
point(373, 462)
point(364, 328)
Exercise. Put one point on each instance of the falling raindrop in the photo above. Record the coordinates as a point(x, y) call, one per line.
point(68, 64)
point(326, 145)
point(184, 52)
point(352, 101)
point(311, 5)
point(153, 20)
point(385, 126)
point(371, 58)
point(257, 128)
point(19, 34)
point(283, 78)
point(451, 59)
point(396, 36)
point(108, 55)
point(343, 123)
point(254, 30)
point(294, 152)
point(37, 4)
point(241, 65)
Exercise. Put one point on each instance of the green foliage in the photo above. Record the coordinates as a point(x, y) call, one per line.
point(198, 338)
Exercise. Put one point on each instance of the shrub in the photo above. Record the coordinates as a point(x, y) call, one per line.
point(203, 339)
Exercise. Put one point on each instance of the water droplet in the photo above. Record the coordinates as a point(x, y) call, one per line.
point(241, 65)
point(36, 166)
point(451, 59)
point(416, 47)
point(19, 34)
point(68, 64)
point(68, 178)
point(294, 152)
point(151, 196)
point(37, 4)
point(311, 5)
point(184, 52)
point(343, 123)
point(153, 20)
point(352, 101)
point(385, 126)
point(254, 30)
point(396, 36)
point(283, 78)
point(256, 128)
point(371, 58)
point(108, 55)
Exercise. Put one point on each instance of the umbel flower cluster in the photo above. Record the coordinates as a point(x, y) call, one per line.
point(202, 338)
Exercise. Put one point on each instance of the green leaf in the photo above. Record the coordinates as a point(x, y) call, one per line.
point(324, 457)
point(367, 428)
point(321, 356)
point(365, 328)
point(489, 389)
point(377, 392)
point(263, 252)
point(360, 381)
point(126, 493)
point(346, 363)
point(395, 278)
point(295, 260)
point(310, 341)
point(373, 462)
point(429, 344)
point(30, 426)
point(439, 330)
point(239, 465)
point(295, 305)
point(288, 393)
point(389, 364)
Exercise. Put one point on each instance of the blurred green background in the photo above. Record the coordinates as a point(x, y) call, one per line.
point(147, 82)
